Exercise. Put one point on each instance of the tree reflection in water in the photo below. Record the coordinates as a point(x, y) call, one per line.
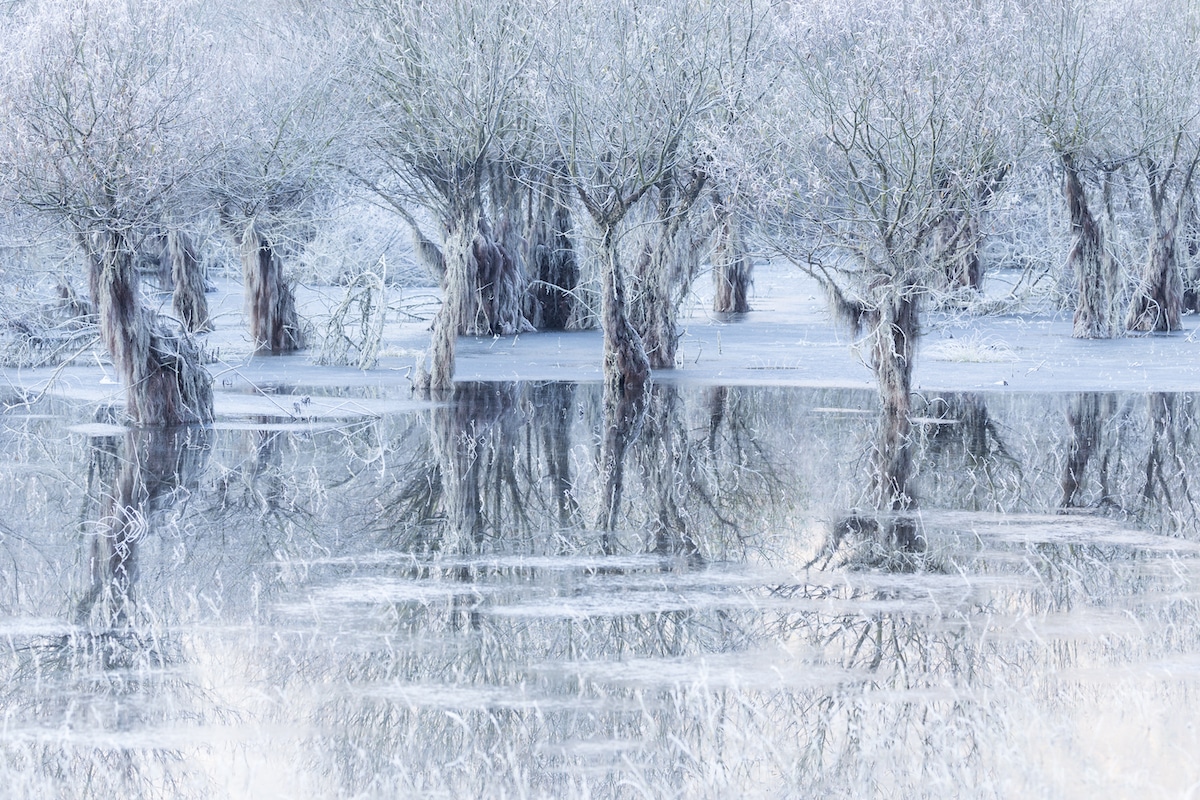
point(456, 601)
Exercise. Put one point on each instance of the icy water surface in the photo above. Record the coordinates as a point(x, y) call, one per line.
point(420, 603)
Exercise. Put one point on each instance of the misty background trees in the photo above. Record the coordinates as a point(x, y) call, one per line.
point(584, 164)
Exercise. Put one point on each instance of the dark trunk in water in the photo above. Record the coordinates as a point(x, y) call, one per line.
point(274, 323)
point(1088, 260)
point(552, 261)
point(731, 263)
point(662, 272)
point(187, 277)
point(626, 367)
point(894, 327)
point(1157, 303)
point(165, 383)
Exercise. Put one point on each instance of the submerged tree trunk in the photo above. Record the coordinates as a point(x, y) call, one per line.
point(1089, 261)
point(731, 263)
point(662, 272)
point(626, 366)
point(894, 327)
point(552, 261)
point(188, 299)
point(504, 281)
point(1157, 303)
point(481, 294)
point(274, 323)
point(165, 383)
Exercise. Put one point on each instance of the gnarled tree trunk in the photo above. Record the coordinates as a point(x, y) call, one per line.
point(626, 366)
point(1089, 261)
point(1157, 302)
point(894, 327)
point(274, 323)
point(188, 299)
point(165, 383)
point(662, 272)
point(731, 266)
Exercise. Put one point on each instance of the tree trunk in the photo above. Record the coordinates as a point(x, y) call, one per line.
point(626, 366)
point(731, 264)
point(437, 373)
point(895, 325)
point(501, 279)
point(1158, 300)
point(274, 323)
point(165, 384)
point(552, 262)
point(1089, 261)
point(188, 300)
point(956, 242)
point(662, 273)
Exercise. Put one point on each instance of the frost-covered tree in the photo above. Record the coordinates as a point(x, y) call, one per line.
point(444, 91)
point(1071, 63)
point(885, 122)
point(625, 86)
point(280, 126)
point(1159, 95)
point(100, 130)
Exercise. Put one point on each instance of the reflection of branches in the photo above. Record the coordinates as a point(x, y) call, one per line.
point(963, 444)
point(1164, 463)
point(112, 668)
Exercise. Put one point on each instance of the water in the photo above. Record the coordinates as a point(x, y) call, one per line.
point(422, 603)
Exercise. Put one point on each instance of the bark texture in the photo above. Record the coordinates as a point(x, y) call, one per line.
point(271, 304)
point(165, 383)
point(732, 267)
point(1157, 302)
point(894, 327)
point(666, 262)
point(1088, 260)
point(188, 298)
point(626, 366)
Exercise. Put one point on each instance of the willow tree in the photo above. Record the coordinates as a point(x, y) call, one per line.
point(1069, 77)
point(1159, 92)
point(281, 126)
point(626, 85)
point(444, 95)
point(883, 126)
point(99, 124)
point(553, 263)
